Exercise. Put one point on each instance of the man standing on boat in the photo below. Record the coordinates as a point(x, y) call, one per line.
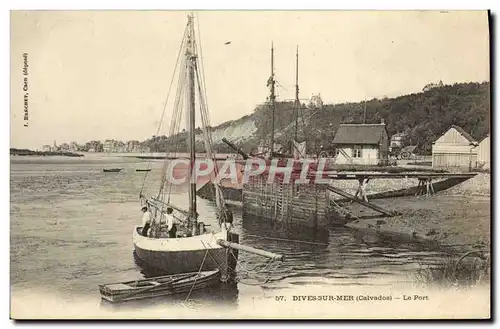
point(171, 223)
point(146, 220)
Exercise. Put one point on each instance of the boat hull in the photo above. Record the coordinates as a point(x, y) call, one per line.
point(182, 255)
point(411, 191)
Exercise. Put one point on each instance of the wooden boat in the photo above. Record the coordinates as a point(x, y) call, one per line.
point(194, 248)
point(182, 254)
point(442, 185)
point(143, 170)
point(112, 170)
point(158, 286)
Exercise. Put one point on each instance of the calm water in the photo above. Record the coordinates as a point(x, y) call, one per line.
point(71, 229)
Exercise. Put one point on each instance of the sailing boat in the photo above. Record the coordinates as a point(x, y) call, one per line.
point(294, 149)
point(194, 248)
point(267, 150)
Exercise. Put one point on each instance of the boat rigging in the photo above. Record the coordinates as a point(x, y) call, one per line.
point(194, 248)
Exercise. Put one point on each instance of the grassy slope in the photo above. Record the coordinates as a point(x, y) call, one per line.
point(422, 116)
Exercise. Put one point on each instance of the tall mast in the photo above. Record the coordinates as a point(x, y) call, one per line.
point(297, 101)
point(272, 99)
point(191, 62)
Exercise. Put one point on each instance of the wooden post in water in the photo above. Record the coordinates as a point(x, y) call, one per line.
point(232, 257)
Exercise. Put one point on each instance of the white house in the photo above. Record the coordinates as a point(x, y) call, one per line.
point(454, 149)
point(396, 141)
point(483, 153)
point(363, 144)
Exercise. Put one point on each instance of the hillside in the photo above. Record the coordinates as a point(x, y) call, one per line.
point(422, 116)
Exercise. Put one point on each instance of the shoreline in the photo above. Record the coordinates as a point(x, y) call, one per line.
point(458, 218)
point(26, 152)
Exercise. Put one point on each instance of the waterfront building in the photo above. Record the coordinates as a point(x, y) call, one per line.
point(455, 148)
point(361, 144)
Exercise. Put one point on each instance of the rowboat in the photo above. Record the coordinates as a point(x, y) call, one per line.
point(143, 170)
point(112, 170)
point(158, 286)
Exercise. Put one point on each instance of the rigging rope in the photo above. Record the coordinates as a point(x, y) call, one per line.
point(290, 125)
point(208, 146)
point(177, 114)
point(202, 65)
point(165, 104)
point(175, 125)
point(205, 116)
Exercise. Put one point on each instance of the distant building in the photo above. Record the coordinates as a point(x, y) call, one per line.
point(46, 148)
point(132, 146)
point(73, 147)
point(362, 144)
point(432, 86)
point(64, 147)
point(109, 145)
point(396, 141)
point(316, 101)
point(483, 153)
point(454, 149)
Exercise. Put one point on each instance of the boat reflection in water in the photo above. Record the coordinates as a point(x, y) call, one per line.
point(266, 231)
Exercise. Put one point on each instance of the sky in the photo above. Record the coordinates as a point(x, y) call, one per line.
point(96, 75)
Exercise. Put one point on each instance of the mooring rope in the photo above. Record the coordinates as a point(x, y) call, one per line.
point(266, 280)
point(215, 261)
point(288, 240)
point(196, 279)
point(250, 270)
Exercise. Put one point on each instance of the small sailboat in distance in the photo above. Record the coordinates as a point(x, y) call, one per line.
point(112, 170)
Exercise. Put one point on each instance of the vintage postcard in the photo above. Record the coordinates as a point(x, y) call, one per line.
point(169, 164)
